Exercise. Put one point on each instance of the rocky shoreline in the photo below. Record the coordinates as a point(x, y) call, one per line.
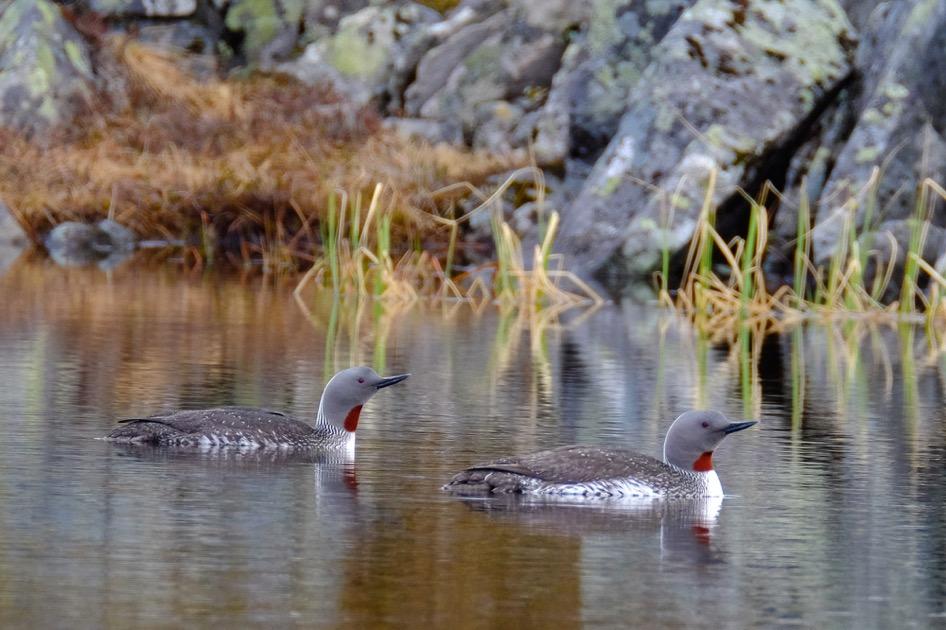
point(628, 105)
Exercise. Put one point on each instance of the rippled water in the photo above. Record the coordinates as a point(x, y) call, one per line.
point(835, 514)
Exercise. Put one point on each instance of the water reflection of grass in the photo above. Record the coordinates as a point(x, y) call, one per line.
point(853, 365)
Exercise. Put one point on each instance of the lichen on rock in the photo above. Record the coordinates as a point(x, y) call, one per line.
point(734, 97)
point(45, 68)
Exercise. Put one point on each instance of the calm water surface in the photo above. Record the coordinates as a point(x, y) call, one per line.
point(835, 514)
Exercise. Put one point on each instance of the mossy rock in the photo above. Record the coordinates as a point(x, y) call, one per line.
point(270, 28)
point(45, 68)
point(726, 87)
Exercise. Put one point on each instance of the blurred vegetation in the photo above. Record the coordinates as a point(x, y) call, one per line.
point(239, 168)
point(266, 172)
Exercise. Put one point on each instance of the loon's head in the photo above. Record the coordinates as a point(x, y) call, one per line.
point(347, 391)
point(694, 436)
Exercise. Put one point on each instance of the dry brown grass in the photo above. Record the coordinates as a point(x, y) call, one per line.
point(239, 167)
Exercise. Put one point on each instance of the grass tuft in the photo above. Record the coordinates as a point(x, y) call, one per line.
point(726, 300)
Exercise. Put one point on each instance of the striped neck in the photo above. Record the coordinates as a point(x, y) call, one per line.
point(342, 422)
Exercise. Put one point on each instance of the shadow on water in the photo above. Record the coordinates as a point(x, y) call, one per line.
point(834, 512)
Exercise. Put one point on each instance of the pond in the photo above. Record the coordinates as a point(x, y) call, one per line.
point(835, 514)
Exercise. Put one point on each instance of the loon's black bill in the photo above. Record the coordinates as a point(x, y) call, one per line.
point(391, 380)
point(739, 426)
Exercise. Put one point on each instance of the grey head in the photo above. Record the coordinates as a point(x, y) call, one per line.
point(347, 391)
point(694, 436)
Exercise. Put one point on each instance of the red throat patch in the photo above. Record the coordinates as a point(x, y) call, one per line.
point(351, 420)
point(703, 463)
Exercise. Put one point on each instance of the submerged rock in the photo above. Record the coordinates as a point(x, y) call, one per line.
point(45, 68)
point(727, 87)
point(74, 244)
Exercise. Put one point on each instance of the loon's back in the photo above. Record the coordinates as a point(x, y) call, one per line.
point(579, 470)
point(222, 426)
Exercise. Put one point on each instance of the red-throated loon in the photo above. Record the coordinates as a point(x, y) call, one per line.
point(248, 427)
point(594, 471)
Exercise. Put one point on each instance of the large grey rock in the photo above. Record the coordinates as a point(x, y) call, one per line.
point(45, 70)
point(496, 122)
point(555, 15)
point(370, 53)
point(727, 87)
point(502, 58)
point(441, 61)
point(182, 35)
point(589, 93)
point(859, 11)
point(321, 17)
point(898, 128)
point(143, 8)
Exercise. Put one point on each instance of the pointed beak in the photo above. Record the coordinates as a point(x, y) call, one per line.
point(739, 426)
point(390, 380)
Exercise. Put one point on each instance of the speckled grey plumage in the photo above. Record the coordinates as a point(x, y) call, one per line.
point(581, 470)
point(252, 428)
point(229, 426)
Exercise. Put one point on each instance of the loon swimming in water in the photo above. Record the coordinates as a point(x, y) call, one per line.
point(248, 427)
point(594, 471)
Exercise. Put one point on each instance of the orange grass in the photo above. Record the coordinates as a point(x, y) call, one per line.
point(242, 168)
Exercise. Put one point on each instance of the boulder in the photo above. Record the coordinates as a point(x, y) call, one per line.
point(898, 127)
point(502, 58)
point(495, 126)
point(589, 93)
point(727, 87)
point(370, 54)
point(45, 70)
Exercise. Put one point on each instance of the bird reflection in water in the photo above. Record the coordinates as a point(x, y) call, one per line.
point(333, 470)
point(685, 526)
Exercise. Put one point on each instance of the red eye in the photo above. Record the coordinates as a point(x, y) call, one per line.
point(361, 380)
point(705, 424)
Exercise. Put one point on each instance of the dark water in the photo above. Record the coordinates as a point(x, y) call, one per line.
point(835, 514)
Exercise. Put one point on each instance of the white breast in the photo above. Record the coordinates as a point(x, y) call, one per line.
point(713, 487)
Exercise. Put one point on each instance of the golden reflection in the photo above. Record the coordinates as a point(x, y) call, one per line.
point(460, 567)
